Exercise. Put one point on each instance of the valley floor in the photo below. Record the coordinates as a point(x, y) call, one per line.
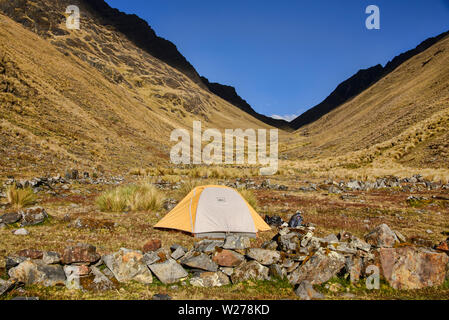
point(418, 209)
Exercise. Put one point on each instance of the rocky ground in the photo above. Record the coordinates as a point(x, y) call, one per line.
point(66, 248)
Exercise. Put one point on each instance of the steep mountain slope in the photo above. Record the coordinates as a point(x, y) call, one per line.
point(359, 82)
point(404, 116)
point(89, 97)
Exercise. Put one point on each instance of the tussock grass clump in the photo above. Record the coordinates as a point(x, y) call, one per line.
point(188, 186)
point(250, 197)
point(20, 198)
point(140, 197)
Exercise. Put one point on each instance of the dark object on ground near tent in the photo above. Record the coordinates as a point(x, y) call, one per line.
point(295, 220)
point(274, 220)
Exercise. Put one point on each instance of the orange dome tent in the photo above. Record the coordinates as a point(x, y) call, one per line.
point(214, 211)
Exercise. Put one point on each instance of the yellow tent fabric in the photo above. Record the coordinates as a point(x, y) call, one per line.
point(183, 216)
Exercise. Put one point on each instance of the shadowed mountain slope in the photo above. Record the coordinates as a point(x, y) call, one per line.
point(404, 116)
point(358, 83)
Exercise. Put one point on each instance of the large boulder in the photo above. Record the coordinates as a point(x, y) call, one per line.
point(264, 256)
point(319, 268)
point(37, 272)
point(228, 258)
point(127, 265)
point(413, 267)
point(152, 245)
point(210, 279)
point(168, 271)
point(199, 261)
point(10, 218)
point(382, 237)
point(251, 270)
point(33, 216)
point(80, 253)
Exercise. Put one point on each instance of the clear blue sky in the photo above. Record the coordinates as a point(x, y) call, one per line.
point(283, 56)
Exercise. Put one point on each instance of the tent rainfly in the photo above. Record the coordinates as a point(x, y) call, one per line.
point(214, 211)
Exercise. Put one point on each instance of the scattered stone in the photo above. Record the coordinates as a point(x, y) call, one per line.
point(234, 242)
point(227, 270)
point(81, 253)
point(382, 237)
point(50, 257)
point(92, 224)
point(208, 246)
point(74, 274)
point(175, 246)
point(210, 279)
point(321, 267)
point(276, 271)
point(5, 286)
point(152, 245)
point(10, 218)
point(330, 238)
point(413, 268)
point(13, 261)
point(128, 265)
point(228, 258)
point(21, 232)
point(270, 245)
point(37, 272)
point(264, 256)
point(152, 257)
point(201, 261)
point(305, 291)
point(168, 271)
point(30, 253)
point(289, 242)
point(32, 216)
point(251, 270)
point(97, 281)
point(428, 231)
point(178, 253)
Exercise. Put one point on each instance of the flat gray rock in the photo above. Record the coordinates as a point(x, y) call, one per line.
point(168, 271)
point(128, 265)
point(37, 272)
point(264, 256)
point(236, 243)
point(201, 261)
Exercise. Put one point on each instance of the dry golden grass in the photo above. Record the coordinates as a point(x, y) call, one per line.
point(20, 198)
point(134, 197)
point(85, 116)
point(250, 197)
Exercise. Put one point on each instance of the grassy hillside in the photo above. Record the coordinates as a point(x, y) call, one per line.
point(403, 119)
point(90, 97)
